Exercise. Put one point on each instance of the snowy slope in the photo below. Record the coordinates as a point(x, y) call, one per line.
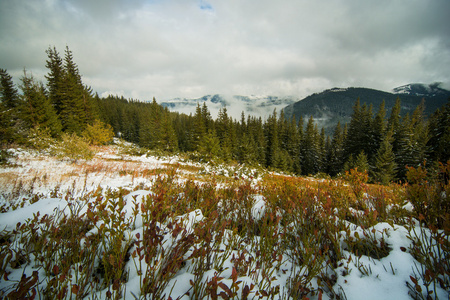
point(420, 90)
point(356, 277)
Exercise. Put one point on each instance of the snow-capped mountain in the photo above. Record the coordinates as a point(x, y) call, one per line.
point(336, 105)
point(420, 89)
point(258, 106)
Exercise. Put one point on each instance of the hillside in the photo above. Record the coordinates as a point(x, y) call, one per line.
point(336, 104)
point(130, 225)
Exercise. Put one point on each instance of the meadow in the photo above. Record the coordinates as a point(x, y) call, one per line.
point(131, 224)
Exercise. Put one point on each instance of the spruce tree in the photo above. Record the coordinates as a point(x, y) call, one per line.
point(183, 127)
point(384, 169)
point(207, 119)
point(210, 145)
point(359, 134)
point(394, 124)
point(147, 133)
point(292, 145)
point(199, 127)
point(36, 110)
point(411, 139)
point(336, 151)
point(8, 92)
point(272, 137)
point(310, 151)
point(10, 127)
point(256, 132)
point(70, 98)
point(155, 115)
point(378, 131)
point(322, 149)
point(299, 159)
point(354, 132)
point(156, 127)
point(72, 114)
point(223, 130)
point(169, 141)
point(439, 128)
point(420, 132)
point(361, 162)
point(55, 78)
point(349, 163)
point(367, 133)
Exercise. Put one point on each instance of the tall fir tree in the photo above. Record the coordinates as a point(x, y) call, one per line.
point(9, 96)
point(272, 137)
point(322, 149)
point(378, 131)
point(361, 162)
point(359, 133)
point(37, 111)
point(336, 151)
point(439, 141)
point(10, 127)
point(256, 131)
point(292, 145)
point(384, 168)
point(310, 150)
point(199, 127)
point(223, 131)
point(246, 149)
point(420, 132)
point(169, 141)
point(207, 119)
point(406, 153)
point(394, 122)
point(71, 99)
point(72, 114)
point(210, 145)
point(55, 78)
point(156, 128)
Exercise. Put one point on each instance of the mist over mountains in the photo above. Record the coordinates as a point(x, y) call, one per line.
point(327, 107)
point(259, 106)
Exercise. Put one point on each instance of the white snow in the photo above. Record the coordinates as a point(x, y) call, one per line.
point(383, 278)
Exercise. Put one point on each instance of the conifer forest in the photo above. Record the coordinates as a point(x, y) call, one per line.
point(381, 142)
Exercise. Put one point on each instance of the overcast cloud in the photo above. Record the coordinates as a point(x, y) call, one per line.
point(190, 48)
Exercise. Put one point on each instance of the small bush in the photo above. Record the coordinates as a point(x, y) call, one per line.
point(98, 133)
point(73, 147)
point(4, 155)
point(40, 138)
point(430, 196)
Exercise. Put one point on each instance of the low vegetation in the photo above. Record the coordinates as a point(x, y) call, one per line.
point(185, 230)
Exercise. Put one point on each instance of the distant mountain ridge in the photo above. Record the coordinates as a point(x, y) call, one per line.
point(336, 104)
point(421, 90)
point(327, 107)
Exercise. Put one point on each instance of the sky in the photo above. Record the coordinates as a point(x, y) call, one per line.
point(190, 48)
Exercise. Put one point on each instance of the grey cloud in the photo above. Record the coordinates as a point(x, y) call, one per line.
point(180, 48)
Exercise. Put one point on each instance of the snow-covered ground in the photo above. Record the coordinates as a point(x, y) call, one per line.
point(355, 276)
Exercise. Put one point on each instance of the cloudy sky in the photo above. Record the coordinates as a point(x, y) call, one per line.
point(190, 48)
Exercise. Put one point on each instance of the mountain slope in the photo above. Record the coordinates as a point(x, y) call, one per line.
point(333, 105)
point(421, 90)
